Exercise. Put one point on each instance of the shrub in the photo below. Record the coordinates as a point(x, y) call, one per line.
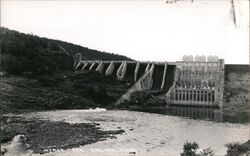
point(235, 149)
point(10, 64)
point(207, 152)
point(189, 149)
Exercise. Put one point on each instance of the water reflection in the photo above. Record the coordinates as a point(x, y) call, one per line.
point(196, 113)
point(214, 114)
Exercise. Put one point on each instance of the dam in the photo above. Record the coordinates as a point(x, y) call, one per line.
point(193, 81)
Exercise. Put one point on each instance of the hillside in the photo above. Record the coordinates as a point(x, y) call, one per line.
point(27, 53)
point(37, 73)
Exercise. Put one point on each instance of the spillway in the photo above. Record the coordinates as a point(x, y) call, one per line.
point(117, 65)
point(141, 70)
point(157, 77)
point(169, 78)
point(129, 76)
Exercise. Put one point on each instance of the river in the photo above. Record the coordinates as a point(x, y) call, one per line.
point(147, 133)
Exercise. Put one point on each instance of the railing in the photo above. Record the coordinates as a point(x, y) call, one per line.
point(98, 61)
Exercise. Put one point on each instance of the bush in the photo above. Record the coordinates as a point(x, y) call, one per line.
point(235, 149)
point(10, 64)
point(207, 152)
point(189, 149)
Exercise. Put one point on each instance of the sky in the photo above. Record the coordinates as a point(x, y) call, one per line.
point(143, 30)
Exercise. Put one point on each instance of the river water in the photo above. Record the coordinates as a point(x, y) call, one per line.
point(147, 133)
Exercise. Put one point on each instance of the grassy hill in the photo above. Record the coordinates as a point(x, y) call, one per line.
point(26, 53)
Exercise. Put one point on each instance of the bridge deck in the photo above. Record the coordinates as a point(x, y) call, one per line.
point(141, 62)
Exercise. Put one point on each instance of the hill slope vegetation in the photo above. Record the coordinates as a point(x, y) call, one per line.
point(27, 53)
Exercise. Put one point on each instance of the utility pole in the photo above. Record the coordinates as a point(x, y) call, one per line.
point(1, 118)
point(233, 13)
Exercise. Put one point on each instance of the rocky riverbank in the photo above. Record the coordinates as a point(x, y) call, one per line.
point(67, 90)
point(43, 136)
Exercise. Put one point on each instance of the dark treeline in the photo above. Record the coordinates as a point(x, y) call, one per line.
point(27, 53)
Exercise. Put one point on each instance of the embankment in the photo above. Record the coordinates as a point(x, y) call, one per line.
point(67, 90)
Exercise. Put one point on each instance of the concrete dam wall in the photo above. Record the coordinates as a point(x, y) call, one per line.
point(187, 82)
point(237, 88)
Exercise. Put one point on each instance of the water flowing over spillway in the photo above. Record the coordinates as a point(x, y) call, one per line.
point(147, 133)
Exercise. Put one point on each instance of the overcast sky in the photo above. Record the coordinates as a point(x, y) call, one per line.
point(142, 30)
